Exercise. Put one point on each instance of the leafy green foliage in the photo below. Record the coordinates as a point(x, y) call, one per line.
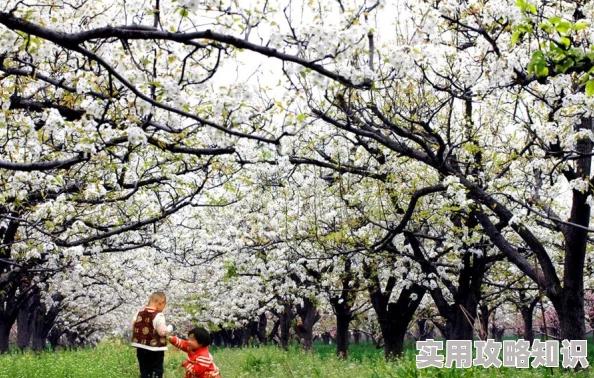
point(558, 53)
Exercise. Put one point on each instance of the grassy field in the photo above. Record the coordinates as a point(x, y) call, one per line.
point(118, 360)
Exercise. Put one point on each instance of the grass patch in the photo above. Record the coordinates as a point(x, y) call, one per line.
point(115, 359)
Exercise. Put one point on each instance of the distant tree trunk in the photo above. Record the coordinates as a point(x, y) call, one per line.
point(528, 331)
point(527, 312)
point(497, 332)
point(484, 321)
point(4, 335)
point(285, 319)
point(356, 336)
point(342, 303)
point(487, 316)
point(309, 315)
point(216, 338)
point(460, 315)
point(393, 318)
point(39, 336)
point(394, 346)
point(227, 337)
point(468, 296)
point(24, 328)
point(422, 324)
point(246, 334)
point(262, 322)
point(54, 337)
point(237, 337)
point(569, 304)
point(342, 335)
point(274, 331)
point(326, 338)
point(43, 321)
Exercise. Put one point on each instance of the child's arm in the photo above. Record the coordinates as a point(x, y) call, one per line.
point(179, 343)
point(161, 326)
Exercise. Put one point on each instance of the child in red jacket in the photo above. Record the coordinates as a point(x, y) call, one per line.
point(199, 363)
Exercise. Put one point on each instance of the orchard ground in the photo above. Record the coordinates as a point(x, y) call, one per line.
point(115, 359)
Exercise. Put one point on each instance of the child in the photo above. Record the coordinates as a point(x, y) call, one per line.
point(199, 363)
point(149, 336)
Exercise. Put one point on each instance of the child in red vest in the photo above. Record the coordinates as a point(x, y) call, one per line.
point(149, 336)
point(199, 363)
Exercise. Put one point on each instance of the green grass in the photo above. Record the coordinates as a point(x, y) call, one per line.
point(117, 360)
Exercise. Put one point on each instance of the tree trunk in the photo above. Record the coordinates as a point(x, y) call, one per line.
point(342, 310)
point(570, 307)
point(216, 338)
point(26, 318)
point(356, 336)
point(309, 315)
point(485, 314)
point(394, 343)
point(24, 328)
point(262, 322)
point(307, 340)
point(227, 336)
point(497, 332)
point(460, 316)
point(527, 312)
point(44, 320)
point(422, 325)
point(326, 338)
point(54, 337)
point(285, 326)
point(38, 340)
point(39, 335)
point(394, 318)
point(237, 337)
point(342, 335)
point(4, 335)
point(526, 307)
point(9, 301)
point(468, 296)
point(274, 331)
point(246, 336)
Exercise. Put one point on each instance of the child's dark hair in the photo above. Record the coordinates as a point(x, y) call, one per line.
point(201, 335)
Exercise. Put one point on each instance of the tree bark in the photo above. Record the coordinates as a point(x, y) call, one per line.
point(459, 316)
point(54, 337)
point(285, 319)
point(309, 315)
point(262, 322)
point(468, 296)
point(24, 328)
point(342, 305)
point(216, 338)
point(342, 335)
point(274, 331)
point(527, 319)
point(43, 320)
point(393, 318)
point(527, 312)
point(497, 332)
point(326, 338)
point(4, 336)
point(422, 325)
point(570, 307)
point(9, 303)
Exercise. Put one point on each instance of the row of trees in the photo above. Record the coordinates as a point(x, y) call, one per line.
point(436, 161)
